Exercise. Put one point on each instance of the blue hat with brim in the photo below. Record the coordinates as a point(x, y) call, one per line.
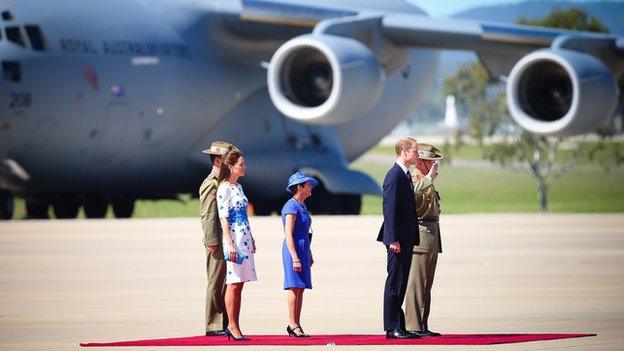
point(299, 178)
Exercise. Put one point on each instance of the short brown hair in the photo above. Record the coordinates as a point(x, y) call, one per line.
point(404, 144)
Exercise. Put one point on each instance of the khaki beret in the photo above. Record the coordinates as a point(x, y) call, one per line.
point(219, 148)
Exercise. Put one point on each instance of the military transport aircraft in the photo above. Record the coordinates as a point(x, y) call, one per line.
point(105, 102)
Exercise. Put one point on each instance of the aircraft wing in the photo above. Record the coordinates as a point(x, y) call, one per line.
point(559, 82)
point(289, 13)
point(499, 46)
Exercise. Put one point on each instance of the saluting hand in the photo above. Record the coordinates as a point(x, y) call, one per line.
point(433, 172)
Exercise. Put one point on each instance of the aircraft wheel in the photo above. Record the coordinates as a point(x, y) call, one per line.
point(66, 208)
point(262, 208)
point(351, 204)
point(123, 207)
point(323, 202)
point(277, 207)
point(36, 210)
point(266, 207)
point(95, 206)
point(6, 204)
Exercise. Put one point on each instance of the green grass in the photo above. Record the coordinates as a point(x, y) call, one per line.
point(185, 207)
point(586, 188)
point(475, 152)
point(464, 190)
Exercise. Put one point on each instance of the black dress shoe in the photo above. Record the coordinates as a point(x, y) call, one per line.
point(400, 334)
point(229, 335)
point(425, 333)
point(215, 333)
point(291, 332)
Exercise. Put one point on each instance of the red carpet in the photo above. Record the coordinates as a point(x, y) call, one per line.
point(344, 339)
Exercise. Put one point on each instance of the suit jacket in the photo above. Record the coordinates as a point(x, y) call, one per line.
point(399, 210)
point(208, 211)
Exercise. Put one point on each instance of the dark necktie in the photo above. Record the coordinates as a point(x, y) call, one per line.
point(409, 178)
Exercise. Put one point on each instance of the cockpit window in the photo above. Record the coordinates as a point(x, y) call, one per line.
point(14, 34)
point(37, 41)
point(7, 16)
point(11, 71)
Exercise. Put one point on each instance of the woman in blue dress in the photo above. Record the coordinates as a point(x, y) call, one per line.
point(296, 254)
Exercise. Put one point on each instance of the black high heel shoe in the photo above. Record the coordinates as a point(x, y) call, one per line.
point(229, 335)
point(291, 332)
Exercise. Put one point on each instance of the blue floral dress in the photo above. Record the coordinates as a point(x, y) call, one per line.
point(232, 204)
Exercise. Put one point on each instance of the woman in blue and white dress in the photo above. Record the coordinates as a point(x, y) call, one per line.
point(237, 238)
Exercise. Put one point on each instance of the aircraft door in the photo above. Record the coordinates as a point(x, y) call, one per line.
point(112, 132)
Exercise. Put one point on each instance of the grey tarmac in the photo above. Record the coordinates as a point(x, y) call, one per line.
point(70, 281)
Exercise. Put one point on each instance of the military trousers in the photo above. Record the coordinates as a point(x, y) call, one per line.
point(418, 294)
point(216, 316)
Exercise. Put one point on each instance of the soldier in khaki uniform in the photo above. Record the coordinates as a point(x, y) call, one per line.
point(425, 255)
point(216, 317)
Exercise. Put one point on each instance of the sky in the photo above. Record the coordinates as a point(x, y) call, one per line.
point(444, 8)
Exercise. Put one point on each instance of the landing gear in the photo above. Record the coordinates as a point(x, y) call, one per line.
point(263, 207)
point(350, 204)
point(66, 207)
point(6, 204)
point(95, 206)
point(123, 206)
point(324, 202)
point(36, 210)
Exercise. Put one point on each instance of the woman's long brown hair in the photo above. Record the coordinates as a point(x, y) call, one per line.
point(228, 160)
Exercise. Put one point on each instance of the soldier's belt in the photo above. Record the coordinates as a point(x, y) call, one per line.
point(429, 220)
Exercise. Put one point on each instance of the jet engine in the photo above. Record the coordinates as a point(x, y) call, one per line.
point(560, 92)
point(324, 79)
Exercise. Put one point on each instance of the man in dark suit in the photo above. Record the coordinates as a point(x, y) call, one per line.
point(399, 234)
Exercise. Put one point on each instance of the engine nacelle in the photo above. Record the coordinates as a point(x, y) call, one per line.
point(324, 79)
point(561, 92)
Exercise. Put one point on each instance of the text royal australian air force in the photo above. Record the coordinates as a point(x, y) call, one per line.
point(124, 48)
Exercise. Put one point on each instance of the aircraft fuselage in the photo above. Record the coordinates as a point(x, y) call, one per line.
point(121, 101)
